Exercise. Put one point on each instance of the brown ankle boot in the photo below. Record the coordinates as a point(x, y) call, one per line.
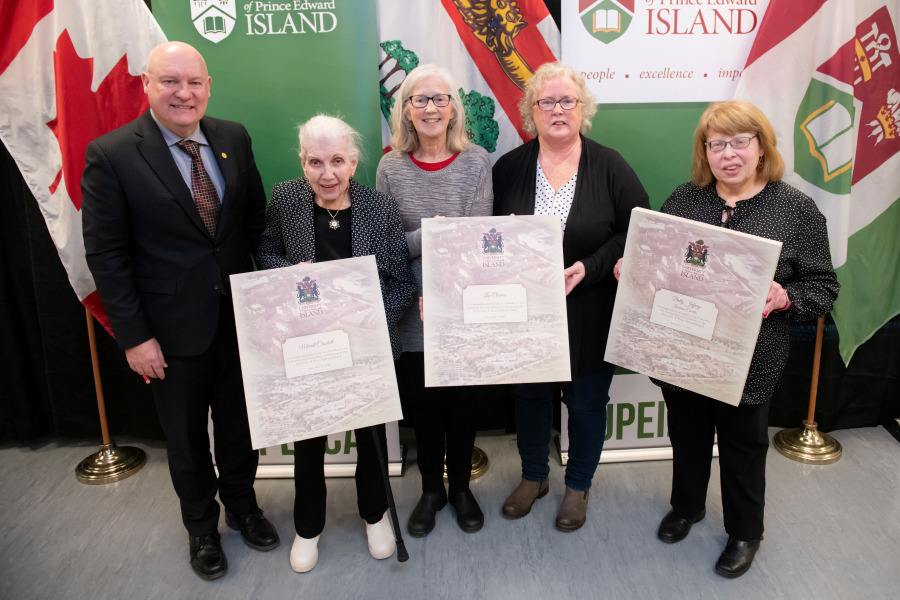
point(572, 511)
point(518, 504)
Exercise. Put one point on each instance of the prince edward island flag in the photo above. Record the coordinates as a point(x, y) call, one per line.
point(491, 49)
point(827, 74)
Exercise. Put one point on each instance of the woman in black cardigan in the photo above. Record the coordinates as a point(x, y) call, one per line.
point(328, 216)
point(592, 189)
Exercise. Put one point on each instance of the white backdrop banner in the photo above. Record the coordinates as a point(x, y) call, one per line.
point(660, 50)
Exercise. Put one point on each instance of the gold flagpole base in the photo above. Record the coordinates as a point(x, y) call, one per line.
point(479, 463)
point(111, 463)
point(805, 444)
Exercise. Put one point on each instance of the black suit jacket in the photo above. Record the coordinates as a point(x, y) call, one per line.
point(158, 271)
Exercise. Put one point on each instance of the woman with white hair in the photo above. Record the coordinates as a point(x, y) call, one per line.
point(592, 190)
point(326, 215)
point(434, 170)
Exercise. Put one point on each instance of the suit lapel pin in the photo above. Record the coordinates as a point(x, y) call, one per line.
point(224, 155)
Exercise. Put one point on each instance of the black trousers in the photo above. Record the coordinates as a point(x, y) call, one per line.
point(193, 386)
point(743, 440)
point(309, 481)
point(441, 413)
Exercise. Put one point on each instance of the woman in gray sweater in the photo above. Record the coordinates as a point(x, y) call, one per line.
point(434, 170)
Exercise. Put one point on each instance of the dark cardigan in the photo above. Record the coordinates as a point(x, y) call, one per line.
point(290, 239)
point(605, 192)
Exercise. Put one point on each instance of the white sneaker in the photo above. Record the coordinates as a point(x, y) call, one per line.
point(381, 538)
point(304, 554)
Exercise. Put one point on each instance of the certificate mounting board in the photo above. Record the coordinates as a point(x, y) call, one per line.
point(495, 306)
point(689, 303)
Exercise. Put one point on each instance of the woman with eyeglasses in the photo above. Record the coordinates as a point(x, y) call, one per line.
point(434, 170)
point(736, 183)
point(327, 215)
point(592, 190)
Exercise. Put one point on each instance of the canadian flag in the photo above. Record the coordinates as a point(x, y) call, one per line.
point(69, 72)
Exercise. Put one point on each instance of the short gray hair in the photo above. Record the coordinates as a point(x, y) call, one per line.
point(555, 70)
point(325, 128)
point(403, 135)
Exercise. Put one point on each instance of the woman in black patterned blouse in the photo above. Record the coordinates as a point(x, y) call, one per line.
point(736, 183)
point(326, 215)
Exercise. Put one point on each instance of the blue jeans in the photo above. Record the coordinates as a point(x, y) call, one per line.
point(586, 398)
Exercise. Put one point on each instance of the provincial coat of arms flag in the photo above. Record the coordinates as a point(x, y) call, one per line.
point(491, 48)
point(827, 75)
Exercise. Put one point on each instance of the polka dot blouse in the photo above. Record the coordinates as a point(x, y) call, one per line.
point(779, 212)
point(548, 201)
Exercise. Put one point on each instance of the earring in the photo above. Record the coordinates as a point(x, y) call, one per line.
point(759, 165)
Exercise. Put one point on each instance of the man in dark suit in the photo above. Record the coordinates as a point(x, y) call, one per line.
point(173, 205)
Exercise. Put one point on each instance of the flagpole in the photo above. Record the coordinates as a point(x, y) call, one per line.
point(111, 463)
point(806, 444)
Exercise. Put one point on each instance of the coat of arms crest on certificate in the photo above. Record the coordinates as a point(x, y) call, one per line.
point(697, 253)
point(492, 242)
point(307, 291)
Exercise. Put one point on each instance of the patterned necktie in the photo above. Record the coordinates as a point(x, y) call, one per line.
point(205, 196)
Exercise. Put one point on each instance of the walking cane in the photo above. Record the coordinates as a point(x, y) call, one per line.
point(402, 554)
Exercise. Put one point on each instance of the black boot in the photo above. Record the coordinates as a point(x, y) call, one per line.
point(421, 521)
point(736, 558)
point(673, 528)
point(468, 513)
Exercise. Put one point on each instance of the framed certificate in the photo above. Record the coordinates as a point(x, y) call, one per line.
point(495, 305)
point(315, 352)
point(689, 303)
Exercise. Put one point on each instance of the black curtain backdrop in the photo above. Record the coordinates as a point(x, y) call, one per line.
point(46, 378)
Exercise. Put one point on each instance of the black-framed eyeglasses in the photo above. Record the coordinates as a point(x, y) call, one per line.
point(737, 143)
point(421, 101)
point(565, 103)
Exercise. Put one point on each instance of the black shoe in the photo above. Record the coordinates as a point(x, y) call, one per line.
point(421, 521)
point(468, 514)
point(207, 558)
point(674, 528)
point(736, 558)
point(256, 530)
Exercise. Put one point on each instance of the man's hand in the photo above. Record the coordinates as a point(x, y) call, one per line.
point(147, 359)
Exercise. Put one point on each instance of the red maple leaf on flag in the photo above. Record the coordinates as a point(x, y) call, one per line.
point(83, 115)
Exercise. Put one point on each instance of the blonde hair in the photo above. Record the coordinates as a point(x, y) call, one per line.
point(322, 128)
point(730, 118)
point(545, 73)
point(404, 136)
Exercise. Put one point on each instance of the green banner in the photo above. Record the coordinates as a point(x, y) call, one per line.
point(276, 64)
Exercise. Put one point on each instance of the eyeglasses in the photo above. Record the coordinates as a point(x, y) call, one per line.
point(421, 101)
point(736, 143)
point(566, 103)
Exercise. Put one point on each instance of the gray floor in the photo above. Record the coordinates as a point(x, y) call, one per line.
point(833, 532)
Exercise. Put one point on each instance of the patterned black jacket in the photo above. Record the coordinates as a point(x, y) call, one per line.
point(375, 229)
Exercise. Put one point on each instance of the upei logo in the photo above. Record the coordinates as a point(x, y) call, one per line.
point(606, 20)
point(307, 291)
point(825, 151)
point(492, 242)
point(697, 254)
point(214, 19)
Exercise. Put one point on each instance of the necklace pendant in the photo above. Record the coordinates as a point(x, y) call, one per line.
point(333, 223)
